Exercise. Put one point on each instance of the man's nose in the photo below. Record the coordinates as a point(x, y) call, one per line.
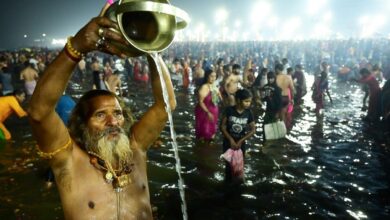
point(111, 120)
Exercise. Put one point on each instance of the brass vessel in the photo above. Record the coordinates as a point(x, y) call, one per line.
point(148, 25)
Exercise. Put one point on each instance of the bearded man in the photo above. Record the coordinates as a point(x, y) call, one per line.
point(100, 162)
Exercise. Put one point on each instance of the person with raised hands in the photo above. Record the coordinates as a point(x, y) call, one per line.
point(99, 160)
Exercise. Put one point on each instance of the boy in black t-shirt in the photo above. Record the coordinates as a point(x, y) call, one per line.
point(237, 126)
point(272, 95)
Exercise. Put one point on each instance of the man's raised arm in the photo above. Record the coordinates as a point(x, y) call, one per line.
point(50, 132)
point(149, 127)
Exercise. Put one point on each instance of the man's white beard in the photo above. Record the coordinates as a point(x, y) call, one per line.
point(115, 150)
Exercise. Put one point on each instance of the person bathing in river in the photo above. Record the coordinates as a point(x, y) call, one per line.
point(374, 91)
point(99, 163)
point(207, 110)
point(237, 126)
point(320, 87)
point(8, 105)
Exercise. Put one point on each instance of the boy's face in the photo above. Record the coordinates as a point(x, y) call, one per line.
point(246, 103)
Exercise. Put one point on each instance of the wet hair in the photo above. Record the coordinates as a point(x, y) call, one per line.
point(279, 67)
point(207, 74)
point(323, 74)
point(263, 71)
point(289, 70)
point(236, 66)
point(364, 71)
point(271, 74)
point(298, 66)
point(83, 111)
point(243, 94)
point(226, 67)
point(18, 92)
point(219, 61)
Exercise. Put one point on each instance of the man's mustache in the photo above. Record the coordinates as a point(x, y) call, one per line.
point(109, 130)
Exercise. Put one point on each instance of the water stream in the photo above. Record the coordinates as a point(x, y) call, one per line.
point(155, 57)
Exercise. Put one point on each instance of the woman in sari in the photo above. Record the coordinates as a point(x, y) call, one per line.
point(206, 111)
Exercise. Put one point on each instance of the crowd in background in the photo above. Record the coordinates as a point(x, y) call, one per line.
point(252, 62)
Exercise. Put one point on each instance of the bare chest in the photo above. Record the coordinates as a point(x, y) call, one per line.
point(91, 196)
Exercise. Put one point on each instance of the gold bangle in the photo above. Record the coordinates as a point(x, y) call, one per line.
point(50, 155)
point(73, 52)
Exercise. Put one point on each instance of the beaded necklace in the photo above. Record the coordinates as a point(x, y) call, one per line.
point(119, 178)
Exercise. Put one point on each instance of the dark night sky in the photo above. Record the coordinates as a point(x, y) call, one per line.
point(59, 18)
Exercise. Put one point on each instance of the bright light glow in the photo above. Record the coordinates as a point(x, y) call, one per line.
point(339, 36)
point(273, 22)
point(260, 11)
point(25, 36)
point(200, 32)
point(245, 36)
point(265, 21)
point(221, 15)
point(371, 25)
point(43, 35)
point(363, 20)
point(58, 42)
point(328, 16)
point(313, 7)
point(237, 24)
point(290, 27)
point(379, 20)
point(321, 31)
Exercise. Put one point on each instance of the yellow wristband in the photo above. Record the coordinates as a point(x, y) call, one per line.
point(50, 155)
point(73, 52)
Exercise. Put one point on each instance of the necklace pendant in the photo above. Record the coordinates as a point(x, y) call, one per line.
point(123, 180)
point(109, 177)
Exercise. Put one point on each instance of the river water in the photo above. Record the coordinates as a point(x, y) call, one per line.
point(331, 166)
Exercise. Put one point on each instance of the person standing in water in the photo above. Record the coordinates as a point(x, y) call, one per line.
point(30, 77)
point(207, 111)
point(99, 162)
point(237, 126)
point(320, 87)
point(8, 105)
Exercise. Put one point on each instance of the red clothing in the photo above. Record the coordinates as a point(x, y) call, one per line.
point(374, 95)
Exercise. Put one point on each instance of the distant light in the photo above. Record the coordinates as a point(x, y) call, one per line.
point(43, 35)
point(25, 36)
point(289, 29)
point(273, 22)
point(221, 15)
point(379, 20)
point(339, 36)
point(363, 20)
point(328, 16)
point(260, 11)
point(237, 24)
point(313, 7)
point(59, 42)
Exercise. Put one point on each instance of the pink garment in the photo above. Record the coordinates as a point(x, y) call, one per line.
point(236, 160)
point(290, 107)
point(204, 128)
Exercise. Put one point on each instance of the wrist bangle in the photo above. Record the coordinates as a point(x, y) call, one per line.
point(74, 54)
point(75, 59)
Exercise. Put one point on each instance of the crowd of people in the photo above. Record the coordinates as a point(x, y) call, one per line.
point(229, 79)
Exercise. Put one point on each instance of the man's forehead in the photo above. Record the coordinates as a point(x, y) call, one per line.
point(104, 102)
